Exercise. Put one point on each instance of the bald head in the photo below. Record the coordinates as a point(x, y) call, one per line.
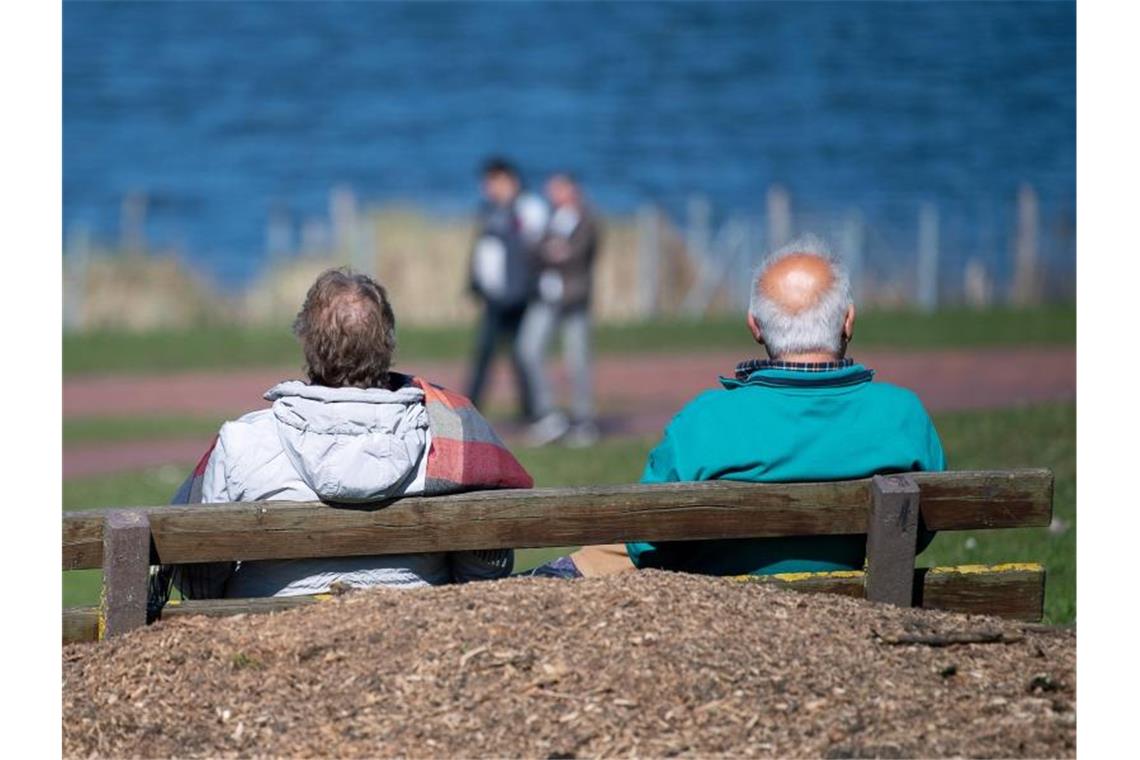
point(801, 302)
point(797, 281)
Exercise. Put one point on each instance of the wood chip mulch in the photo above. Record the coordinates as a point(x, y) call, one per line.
point(651, 664)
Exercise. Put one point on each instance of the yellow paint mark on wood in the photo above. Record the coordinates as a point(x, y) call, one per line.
point(1008, 567)
point(101, 618)
point(796, 577)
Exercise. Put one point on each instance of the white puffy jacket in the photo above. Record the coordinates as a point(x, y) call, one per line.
point(339, 445)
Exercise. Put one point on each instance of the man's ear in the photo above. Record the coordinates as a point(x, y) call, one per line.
point(849, 324)
point(754, 328)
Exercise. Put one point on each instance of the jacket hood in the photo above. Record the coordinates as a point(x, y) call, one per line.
point(351, 444)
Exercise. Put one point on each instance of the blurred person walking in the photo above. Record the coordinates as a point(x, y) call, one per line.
point(565, 261)
point(502, 273)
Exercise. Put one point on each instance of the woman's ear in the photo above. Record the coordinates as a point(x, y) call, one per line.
point(754, 328)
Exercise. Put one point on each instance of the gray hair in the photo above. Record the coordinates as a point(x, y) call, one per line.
point(818, 328)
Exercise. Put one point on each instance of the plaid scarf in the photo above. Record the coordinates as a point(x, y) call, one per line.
point(465, 455)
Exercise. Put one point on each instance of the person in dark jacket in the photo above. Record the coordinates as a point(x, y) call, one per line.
point(565, 264)
point(511, 223)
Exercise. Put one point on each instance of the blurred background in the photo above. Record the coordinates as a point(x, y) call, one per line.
point(217, 156)
point(234, 148)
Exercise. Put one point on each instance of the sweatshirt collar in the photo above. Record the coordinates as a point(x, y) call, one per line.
point(745, 369)
point(792, 375)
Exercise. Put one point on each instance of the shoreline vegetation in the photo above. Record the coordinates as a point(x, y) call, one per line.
point(652, 268)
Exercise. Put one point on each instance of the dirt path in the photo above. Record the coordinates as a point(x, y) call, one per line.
point(637, 395)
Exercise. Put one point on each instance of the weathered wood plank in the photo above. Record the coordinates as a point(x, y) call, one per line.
point(977, 500)
point(1010, 591)
point(1013, 591)
point(82, 540)
point(126, 569)
point(892, 537)
point(80, 624)
point(493, 519)
point(561, 517)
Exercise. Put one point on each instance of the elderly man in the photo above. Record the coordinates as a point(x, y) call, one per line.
point(353, 432)
point(808, 412)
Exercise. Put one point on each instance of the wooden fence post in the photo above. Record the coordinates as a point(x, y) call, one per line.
point(892, 535)
point(126, 571)
point(278, 233)
point(927, 290)
point(1026, 276)
point(648, 261)
point(132, 224)
point(75, 270)
point(779, 217)
point(851, 245)
point(698, 230)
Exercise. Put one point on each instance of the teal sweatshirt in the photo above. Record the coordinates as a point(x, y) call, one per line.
point(782, 426)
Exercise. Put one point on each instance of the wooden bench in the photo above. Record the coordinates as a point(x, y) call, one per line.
point(126, 542)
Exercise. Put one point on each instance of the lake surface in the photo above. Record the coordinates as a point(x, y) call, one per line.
point(222, 112)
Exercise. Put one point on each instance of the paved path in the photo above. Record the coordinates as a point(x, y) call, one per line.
point(637, 394)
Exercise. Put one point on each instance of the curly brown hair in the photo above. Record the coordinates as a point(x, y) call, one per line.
point(347, 331)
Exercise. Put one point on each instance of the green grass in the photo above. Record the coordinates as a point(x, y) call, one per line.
point(117, 429)
point(1039, 436)
point(245, 347)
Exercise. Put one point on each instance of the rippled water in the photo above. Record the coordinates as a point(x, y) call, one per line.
point(221, 111)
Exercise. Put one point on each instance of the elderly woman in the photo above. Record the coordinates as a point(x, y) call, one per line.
point(353, 432)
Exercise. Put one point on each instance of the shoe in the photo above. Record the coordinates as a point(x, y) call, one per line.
point(563, 568)
point(548, 429)
point(583, 435)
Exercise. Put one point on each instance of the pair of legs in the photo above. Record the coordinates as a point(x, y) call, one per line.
point(500, 323)
point(538, 328)
point(587, 562)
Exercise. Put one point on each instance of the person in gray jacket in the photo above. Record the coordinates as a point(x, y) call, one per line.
point(502, 276)
point(565, 261)
point(354, 433)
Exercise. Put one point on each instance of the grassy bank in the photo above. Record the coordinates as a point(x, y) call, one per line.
point(241, 347)
point(1034, 436)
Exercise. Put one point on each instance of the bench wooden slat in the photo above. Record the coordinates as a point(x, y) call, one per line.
point(1016, 592)
point(562, 517)
point(986, 499)
point(1013, 591)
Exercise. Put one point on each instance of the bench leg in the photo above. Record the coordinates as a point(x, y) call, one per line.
point(892, 536)
point(126, 571)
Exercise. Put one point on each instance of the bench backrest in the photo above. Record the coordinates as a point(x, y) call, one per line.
point(887, 509)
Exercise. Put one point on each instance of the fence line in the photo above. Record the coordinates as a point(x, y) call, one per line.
point(652, 266)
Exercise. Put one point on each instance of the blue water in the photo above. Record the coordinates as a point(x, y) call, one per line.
point(220, 112)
